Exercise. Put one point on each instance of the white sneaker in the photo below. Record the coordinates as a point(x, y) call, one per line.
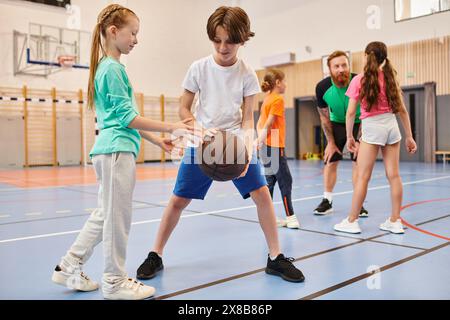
point(348, 227)
point(76, 279)
point(292, 222)
point(394, 227)
point(130, 289)
point(281, 223)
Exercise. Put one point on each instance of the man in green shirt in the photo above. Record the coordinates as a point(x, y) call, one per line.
point(332, 105)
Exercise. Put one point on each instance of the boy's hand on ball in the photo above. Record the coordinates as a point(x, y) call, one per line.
point(250, 155)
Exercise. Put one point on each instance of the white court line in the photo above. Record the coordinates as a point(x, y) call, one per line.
point(220, 211)
point(140, 205)
point(63, 211)
point(5, 216)
point(11, 189)
point(33, 214)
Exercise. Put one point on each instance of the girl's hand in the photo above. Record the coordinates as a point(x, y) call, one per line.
point(411, 145)
point(184, 132)
point(351, 145)
point(258, 143)
point(355, 154)
point(182, 128)
point(166, 144)
point(172, 146)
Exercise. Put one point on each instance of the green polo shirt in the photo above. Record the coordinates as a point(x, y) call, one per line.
point(330, 96)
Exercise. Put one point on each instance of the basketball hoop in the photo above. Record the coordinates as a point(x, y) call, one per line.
point(66, 61)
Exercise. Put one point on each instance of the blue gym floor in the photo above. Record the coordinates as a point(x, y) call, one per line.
point(218, 249)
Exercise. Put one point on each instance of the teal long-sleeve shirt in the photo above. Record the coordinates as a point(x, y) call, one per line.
point(115, 107)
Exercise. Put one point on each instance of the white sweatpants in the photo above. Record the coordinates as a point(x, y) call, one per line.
point(111, 221)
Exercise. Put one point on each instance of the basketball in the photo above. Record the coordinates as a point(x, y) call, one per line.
point(222, 157)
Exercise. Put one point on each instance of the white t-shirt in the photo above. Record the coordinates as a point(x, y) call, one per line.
point(221, 92)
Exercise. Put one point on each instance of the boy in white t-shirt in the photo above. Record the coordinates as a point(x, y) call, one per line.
point(226, 88)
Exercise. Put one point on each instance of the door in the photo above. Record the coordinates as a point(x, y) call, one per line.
point(12, 141)
point(307, 121)
point(414, 98)
point(68, 140)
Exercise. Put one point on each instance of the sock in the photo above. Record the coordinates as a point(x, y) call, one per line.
point(328, 195)
point(157, 254)
point(272, 258)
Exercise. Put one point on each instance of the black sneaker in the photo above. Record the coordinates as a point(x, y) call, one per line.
point(284, 268)
point(324, 207)
point(363, 213)
point(150, 267)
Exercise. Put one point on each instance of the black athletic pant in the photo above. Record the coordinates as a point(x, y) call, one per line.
point(277, 170)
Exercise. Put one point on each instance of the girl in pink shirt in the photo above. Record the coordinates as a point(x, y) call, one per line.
point(379, 93)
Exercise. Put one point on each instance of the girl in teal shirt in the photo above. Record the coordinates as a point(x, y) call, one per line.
point(114, 159)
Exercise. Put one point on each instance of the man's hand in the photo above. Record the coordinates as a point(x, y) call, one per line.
point(330, 150)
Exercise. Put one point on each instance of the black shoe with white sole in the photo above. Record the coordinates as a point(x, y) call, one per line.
point(150, 267)
point(324, 207)
point(284, 268)
point(363, 213)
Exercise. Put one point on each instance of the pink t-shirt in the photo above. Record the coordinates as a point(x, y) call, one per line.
point(382, 105)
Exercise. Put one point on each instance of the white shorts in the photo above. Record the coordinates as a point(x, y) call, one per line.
point(381, 129)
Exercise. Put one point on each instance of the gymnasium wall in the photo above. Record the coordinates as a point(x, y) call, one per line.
point(324, 25)
point(173, 35)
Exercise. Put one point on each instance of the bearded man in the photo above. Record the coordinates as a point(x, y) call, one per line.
point(332, 104)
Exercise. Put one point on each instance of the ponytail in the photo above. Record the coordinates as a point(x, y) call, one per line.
point(270, 79)
point(95, 51)
point(393, 90)
point(370, 87)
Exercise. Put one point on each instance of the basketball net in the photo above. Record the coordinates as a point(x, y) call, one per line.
point(66, 61)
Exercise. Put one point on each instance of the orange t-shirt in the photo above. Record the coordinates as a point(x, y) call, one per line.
point(274, 104)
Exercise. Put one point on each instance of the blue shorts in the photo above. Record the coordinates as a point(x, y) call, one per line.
point(192, 183)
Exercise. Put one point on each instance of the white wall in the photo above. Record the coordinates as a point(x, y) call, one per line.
point(173, 34)
point(15, 15)
point(327, 25)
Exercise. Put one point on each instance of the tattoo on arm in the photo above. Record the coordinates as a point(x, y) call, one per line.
point(326, 123)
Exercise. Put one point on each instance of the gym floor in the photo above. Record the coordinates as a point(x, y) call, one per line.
point(218, 249)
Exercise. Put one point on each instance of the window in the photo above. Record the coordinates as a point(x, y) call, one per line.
point(409, 9)
point(56, 3)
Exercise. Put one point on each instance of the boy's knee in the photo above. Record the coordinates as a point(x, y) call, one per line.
point(179, 203)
